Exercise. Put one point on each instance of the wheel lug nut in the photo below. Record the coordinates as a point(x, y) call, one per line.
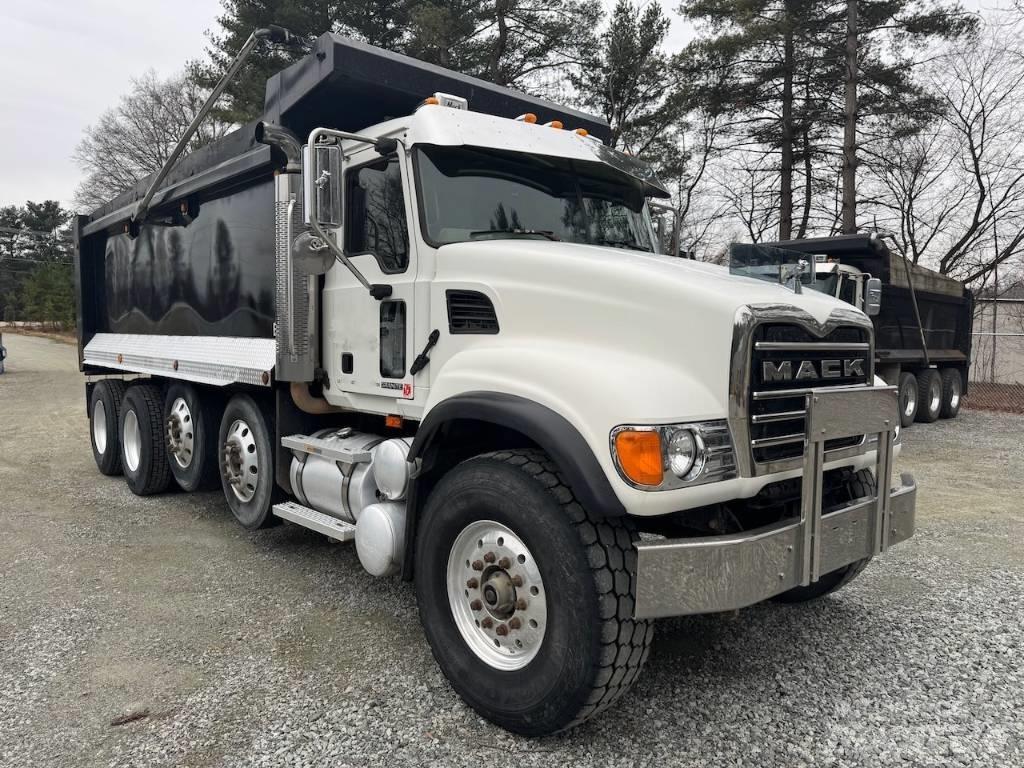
point(514, 623)
point(517, 580)
point(476, 605)
point(477, 565)
point(521, 604)
point(501, 629)
point(504, 563)
point(486, 622)
point(473, 583)
point(489, 557)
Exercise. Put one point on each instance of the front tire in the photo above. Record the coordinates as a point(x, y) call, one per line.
point(143, 451)
point(246, 462)
point(504, 553)
point(907, 398)
point(860, 485)
point(104, 424)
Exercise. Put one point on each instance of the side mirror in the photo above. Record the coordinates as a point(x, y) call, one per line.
point(663, 213)
point(321, 182)
point(872, 296)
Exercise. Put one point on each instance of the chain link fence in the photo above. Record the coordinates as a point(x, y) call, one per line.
point(997, 357)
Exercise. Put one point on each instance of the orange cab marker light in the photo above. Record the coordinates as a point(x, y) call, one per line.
point(433, 100)
point(639, 455)
point(392, 421)
point(556, 124)
point(582, 131)
point(529, 117)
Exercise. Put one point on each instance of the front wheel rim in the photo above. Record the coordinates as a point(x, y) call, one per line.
point(132, 439)
point(241, 463)
point(497, 595)
point(99, 427)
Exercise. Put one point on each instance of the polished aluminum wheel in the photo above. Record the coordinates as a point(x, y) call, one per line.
point(99, 426)
point(935, 399)
point(132, 441)
point(241, 460)
point(909, 401)
point(496, 595)
point(180, 442)
point(954, 398)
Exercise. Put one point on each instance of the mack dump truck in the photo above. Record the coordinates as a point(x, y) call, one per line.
point(922, 318)
point(429, 315)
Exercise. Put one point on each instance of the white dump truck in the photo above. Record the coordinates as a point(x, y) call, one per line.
point(429, 315)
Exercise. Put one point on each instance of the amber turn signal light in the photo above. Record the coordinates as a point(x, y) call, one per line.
point(639, 455)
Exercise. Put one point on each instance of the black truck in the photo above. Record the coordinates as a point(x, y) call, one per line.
point(922, 319)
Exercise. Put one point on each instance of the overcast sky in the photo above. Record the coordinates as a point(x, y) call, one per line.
point(63, 62)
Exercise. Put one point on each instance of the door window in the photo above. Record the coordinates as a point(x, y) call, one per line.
point(375, 221)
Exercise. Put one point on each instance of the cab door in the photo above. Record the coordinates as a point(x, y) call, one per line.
point(369, 345)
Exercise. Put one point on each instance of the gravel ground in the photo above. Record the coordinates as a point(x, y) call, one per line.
point(276, 649)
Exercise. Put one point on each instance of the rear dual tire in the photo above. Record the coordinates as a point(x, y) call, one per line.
point(929, 396)
point(143, 448)
point(105, 424)
point(952, 392)
point(191, 421)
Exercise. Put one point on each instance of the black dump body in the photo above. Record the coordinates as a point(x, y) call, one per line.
point(944, 304)
point(203, 264)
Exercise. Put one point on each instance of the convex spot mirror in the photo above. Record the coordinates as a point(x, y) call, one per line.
point(321, 182)
point(872, 296)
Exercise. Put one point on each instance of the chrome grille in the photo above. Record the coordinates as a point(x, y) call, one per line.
point(786, 362)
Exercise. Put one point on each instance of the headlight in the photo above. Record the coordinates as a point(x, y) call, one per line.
point(669, 456)
point(682, 452)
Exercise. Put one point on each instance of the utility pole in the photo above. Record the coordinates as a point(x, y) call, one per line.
point(849, 212)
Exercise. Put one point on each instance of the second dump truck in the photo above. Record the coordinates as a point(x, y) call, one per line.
point(420, 312)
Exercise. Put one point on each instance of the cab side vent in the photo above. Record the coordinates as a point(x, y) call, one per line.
point(470, 312)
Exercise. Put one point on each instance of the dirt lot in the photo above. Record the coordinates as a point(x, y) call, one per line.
point(276, 649)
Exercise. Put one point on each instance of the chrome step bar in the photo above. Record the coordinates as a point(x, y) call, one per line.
point(329, 526)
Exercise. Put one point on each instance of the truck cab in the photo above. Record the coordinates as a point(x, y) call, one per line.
point(478, 366)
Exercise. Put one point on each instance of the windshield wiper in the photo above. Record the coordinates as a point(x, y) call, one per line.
point(542, 232)
point(631, 244)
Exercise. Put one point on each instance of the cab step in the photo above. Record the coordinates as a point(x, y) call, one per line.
point(329, 526)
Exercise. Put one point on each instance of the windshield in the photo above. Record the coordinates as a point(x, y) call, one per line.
point(469, 193)
point(826, 283)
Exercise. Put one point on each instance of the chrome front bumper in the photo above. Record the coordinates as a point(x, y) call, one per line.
point(723, 573)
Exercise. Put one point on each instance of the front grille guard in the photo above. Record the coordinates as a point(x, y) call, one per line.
point(746, 322)
point(727, 572)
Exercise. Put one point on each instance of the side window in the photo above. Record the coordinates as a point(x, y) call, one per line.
point(375, 221)
point(848, 290)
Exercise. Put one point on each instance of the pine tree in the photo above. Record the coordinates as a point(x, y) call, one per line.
point(789, 57)
point(509, 42)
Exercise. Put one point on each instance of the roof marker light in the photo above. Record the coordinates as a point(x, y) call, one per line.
point(582, 132)
point(556, 124)
point(529, 117)
point(450, 101)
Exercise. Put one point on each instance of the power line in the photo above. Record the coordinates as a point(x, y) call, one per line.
point(34, 233)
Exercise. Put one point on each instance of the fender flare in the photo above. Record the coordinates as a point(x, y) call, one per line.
point(551, 431)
